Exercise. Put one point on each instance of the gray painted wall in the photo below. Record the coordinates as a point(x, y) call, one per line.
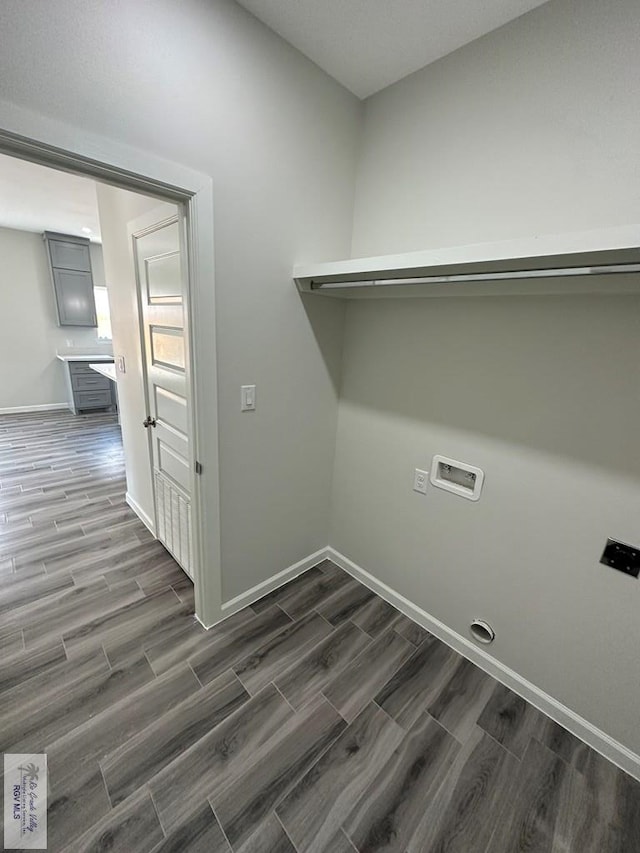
point(530, 130)
point(205, 84)
point(30, 337)
point(536, 393)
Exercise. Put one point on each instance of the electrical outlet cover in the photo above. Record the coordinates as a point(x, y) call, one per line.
point(420, 480)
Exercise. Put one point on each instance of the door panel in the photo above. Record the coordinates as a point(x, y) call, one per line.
point(161, 243)
point(167, 347)
point(174, 521)
point(171, 409)
point(159, 258)
point(163, 277)
point(173, 464)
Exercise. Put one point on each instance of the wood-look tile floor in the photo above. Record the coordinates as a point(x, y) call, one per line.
point(319, 719)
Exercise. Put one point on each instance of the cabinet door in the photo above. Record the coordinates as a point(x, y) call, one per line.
point(69, 256)
point(93, 399)
point(81, 382)
point(74, 296)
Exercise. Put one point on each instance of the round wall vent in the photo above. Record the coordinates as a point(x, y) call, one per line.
point(482, 632)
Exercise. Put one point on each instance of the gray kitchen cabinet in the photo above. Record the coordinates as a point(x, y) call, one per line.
point(74, 298)
point(70, 265)
point(87, 389)
point(69, 253)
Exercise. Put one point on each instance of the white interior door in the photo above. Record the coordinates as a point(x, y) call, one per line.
point(160, 261)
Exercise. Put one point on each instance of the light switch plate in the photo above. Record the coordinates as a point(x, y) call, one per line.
point(122, 367)
point(247, 398)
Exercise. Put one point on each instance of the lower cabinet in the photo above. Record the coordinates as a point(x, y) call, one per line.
point(87, 389)
point(93, 399)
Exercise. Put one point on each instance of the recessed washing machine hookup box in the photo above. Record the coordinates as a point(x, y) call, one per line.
point(457, 477)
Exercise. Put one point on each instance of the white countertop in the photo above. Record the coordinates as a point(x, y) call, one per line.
point(94, 357)
point(108, 370)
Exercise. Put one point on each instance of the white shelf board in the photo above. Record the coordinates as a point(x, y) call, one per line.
point(540, 255)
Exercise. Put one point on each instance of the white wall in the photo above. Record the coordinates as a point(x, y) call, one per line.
point(529, 130)
point(117, 208)
point(204, 84)
point(29, 333)
point(539, 394)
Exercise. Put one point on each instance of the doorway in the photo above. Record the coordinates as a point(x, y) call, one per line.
point(186, 461)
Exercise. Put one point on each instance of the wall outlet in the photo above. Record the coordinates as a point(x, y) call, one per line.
point(247, 398)
point(420, 480)
point(624, 558)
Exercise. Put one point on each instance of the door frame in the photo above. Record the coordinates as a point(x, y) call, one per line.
point(48, 142)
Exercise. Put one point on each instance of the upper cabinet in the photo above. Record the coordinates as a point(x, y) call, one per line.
point(70, 264)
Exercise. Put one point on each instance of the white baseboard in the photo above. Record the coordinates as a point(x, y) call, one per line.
point(577, 725)
point(142, 515)
point(45, 407)
point(256, 592)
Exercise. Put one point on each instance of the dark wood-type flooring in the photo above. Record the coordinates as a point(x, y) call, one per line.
point(319, 719)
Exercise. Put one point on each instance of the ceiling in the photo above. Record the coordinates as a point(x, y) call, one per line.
point(369, 44)
point(364, 44)
point(35, 198)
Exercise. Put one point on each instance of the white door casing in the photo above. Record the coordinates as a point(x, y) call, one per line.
point(159, 257)
point(51, 142)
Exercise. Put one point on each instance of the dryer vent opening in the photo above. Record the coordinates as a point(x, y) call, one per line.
point(482, 632)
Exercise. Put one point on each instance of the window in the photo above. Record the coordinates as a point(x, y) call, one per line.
point(102, 313)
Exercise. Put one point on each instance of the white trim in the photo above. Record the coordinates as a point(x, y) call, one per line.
point(205, 496)
point(577, 725)
point(142, 515)
point(222, 619)
point(49, 142)
point(44, 407)
point(42, 139)
point(268, 585)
